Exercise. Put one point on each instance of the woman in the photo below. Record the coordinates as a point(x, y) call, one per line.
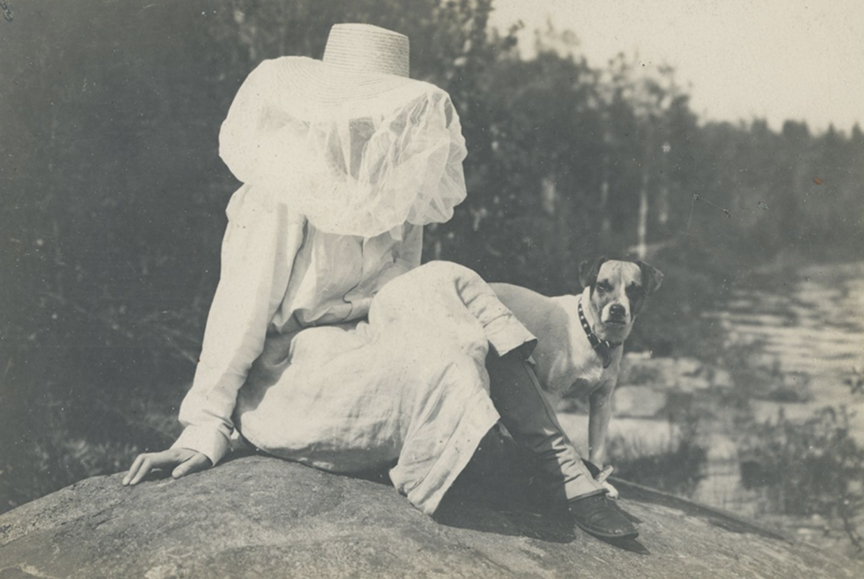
point(326, 343)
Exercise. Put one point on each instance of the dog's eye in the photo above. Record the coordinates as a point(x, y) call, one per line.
point(604, 286)
point(634, 291)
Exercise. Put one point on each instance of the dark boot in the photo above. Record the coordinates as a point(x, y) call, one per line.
point(529, 417)
point(597, 515)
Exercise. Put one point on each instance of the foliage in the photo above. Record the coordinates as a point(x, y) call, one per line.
point(855, 382)
point(814, 467)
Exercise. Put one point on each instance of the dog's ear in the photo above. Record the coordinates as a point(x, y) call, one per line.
point(588, 271)
point(651, 277)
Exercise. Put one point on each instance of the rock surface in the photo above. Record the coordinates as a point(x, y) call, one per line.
point(263, 517)
point(638, 401)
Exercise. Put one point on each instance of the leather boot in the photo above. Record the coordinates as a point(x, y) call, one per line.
point(597, 515)
point(529, 417)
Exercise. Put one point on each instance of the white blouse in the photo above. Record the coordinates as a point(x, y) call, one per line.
point(279, 274)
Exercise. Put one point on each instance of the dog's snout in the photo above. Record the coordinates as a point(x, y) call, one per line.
point(617, 311)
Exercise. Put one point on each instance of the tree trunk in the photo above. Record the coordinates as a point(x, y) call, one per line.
point(642, 227)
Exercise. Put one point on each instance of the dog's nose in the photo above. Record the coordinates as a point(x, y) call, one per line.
point(617, 311)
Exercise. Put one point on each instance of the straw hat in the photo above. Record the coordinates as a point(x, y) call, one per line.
point(367, 48)
point(350, 141)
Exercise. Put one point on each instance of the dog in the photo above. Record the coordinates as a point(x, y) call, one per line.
point(581, 337)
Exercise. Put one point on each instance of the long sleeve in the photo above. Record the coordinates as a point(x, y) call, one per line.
point(258, 251)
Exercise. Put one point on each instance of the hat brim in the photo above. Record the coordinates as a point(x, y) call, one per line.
point(317, 88)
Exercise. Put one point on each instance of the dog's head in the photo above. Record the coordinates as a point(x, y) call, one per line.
point(618, 290)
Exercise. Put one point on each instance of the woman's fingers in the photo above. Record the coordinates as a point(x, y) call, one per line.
point(144, 468)
point(136, 464)
point(186, 462)
point(197, 462)
point(148, 461)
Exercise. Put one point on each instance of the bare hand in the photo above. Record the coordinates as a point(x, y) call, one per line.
point(183, 460)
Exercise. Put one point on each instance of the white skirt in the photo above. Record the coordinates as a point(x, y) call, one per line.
point(407, 386)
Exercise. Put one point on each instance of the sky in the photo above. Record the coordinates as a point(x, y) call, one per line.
point(772, 59)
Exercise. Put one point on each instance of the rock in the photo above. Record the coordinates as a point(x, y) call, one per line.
point(640, 436)
point(765, 360)
point(263, 517)
point(692, 376)
point(720, 448)
point(682, 374)
point(690, 384)
point(638, 371)
point(771, 412)
point(722, 379)
point(638, 401)
point(785, 387)
point(689, 367)
point(644, 436)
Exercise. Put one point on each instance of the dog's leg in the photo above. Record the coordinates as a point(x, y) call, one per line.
point(600, 405)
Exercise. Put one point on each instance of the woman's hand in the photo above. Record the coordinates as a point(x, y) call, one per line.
point(182, 460)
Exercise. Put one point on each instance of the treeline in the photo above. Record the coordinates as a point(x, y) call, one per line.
point(113, 195)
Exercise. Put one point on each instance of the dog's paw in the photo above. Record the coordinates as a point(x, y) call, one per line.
point(612, 492)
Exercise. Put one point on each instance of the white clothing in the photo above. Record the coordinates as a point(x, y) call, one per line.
point(337, 189)
point(330, 387)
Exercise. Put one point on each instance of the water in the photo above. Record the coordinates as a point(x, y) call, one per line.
point(813, 330)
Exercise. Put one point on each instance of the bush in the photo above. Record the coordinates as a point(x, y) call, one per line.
point(808, 468)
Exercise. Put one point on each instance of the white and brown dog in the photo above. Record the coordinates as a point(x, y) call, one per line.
point(580, 337)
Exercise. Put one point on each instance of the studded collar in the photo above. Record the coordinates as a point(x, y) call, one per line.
point(602, 347)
